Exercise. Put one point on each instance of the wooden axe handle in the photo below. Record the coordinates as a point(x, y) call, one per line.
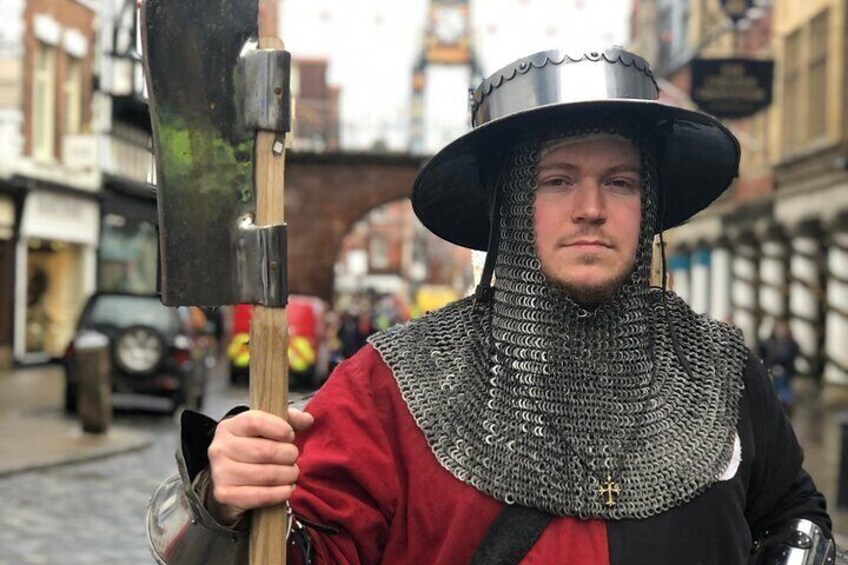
point(269, 369)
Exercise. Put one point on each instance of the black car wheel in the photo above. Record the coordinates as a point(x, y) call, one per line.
point(138, 350)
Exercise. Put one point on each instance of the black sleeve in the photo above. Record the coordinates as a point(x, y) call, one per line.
point(196, 433)
point(779, 488)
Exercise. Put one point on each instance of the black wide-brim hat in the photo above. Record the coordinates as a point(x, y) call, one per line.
point(698, 157)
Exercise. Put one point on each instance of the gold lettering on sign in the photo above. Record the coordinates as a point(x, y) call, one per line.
point(731, 84)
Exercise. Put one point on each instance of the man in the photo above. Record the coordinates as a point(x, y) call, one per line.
point(569, 413)
point(779, 353)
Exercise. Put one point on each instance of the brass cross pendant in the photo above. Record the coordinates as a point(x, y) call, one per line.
point(608, 489)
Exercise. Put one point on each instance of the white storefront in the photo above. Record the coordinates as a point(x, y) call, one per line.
point(788, 259)
point(55, 271)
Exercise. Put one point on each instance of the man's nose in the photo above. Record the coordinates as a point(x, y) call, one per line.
point(589, 203)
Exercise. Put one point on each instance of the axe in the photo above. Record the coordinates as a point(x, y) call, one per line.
point(220, 109)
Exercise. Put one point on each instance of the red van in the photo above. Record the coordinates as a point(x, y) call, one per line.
point(308, 353)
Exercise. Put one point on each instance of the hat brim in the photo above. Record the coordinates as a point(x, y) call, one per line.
point(698, 161)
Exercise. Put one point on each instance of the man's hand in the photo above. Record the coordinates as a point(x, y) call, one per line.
point(253, 462)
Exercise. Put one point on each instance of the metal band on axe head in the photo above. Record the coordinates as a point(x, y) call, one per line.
point(210, 89)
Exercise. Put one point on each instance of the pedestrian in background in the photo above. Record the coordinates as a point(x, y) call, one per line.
point(779, 353)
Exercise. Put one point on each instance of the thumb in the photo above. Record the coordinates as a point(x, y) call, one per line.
point(300, 421)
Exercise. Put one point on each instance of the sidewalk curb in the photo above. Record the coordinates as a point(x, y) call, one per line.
point(35, 443)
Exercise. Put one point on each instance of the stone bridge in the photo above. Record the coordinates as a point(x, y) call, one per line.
point(326, 193)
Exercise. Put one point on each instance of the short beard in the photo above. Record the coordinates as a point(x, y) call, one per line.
point(590, 297)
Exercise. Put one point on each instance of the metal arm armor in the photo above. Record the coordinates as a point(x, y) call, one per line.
point(799, 542)
point(180, 531)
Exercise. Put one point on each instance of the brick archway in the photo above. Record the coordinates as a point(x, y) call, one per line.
point(326, 193)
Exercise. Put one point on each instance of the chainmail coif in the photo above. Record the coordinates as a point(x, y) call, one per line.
point(537, 400)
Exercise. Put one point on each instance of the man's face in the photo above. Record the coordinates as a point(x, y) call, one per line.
point(588, 214)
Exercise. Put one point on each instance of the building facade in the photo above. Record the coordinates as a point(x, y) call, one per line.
point(48, 175)
point(77, 203)
point(776, 245)
point(316, 109)
point(128, 242)
point(390, 252)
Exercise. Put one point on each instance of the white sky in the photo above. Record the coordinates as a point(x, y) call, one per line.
point(372, 45)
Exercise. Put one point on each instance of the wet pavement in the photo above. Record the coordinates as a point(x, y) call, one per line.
point(87, 508)
point(817, 418)
point(69, 496)
point(85, 513)
point(35, 434)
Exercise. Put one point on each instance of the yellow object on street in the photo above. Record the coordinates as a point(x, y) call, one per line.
point(433, 297)
point(301, 354)
point(238, 350)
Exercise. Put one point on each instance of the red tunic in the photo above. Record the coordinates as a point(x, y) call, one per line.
point(367, 470)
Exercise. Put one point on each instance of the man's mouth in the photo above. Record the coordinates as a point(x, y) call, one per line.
point(588, 244)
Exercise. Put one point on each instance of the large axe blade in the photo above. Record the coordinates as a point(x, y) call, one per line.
point(210, 90)
point(216, 104)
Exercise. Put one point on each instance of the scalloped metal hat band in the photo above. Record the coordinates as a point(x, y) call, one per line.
point(555, 77)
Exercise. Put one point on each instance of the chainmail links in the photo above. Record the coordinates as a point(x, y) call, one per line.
point(539, 400)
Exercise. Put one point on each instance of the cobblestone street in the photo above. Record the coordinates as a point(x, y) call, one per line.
point(94, 512)
point(86, 513)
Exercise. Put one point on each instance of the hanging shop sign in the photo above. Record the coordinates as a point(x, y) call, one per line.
point(732, 88)
point(736, 9)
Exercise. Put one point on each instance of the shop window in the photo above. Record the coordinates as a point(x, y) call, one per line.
point(44, 103)
point(128, 255)
point(72, 94)
point(817, 91)
point(792, 93)
point(379, 251)
point(54, 278)
point(38, 320)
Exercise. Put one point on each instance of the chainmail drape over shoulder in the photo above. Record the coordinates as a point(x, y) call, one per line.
point(537, 400)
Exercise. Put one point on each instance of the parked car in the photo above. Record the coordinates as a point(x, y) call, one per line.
point(154, 349)
point(308, 352)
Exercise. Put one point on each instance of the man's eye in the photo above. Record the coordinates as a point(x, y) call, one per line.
point(623, 184)
point(554, 183)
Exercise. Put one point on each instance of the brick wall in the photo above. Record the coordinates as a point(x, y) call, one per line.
point(326, 194)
